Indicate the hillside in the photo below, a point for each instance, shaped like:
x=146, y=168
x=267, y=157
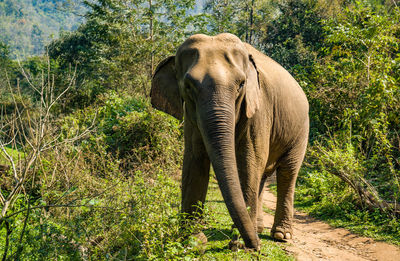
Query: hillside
x=28, y=25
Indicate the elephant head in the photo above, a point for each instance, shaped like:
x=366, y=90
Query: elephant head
x=213, y=83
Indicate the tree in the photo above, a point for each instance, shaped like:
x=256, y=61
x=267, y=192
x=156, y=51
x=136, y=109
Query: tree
x=122, y=41
x=27, y=25
x=37, y=39
x=4, y=54
x=295, y=35
x=354, y=89
x=246, y=19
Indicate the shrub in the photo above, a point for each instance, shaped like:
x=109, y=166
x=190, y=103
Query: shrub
x=131, y=130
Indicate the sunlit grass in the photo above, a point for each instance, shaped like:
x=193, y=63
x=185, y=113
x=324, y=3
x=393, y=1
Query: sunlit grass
x=339, y=208
x=15, y=154
x=219, y=233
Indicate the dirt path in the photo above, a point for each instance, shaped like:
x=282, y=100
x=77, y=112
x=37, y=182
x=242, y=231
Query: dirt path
x=315, y=240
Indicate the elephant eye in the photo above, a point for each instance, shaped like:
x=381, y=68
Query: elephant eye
x=241, y=85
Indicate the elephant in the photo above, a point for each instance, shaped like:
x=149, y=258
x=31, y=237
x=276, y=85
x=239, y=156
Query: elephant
x=244, y=114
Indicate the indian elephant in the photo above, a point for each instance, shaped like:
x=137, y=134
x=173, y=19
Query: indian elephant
x=246, y=115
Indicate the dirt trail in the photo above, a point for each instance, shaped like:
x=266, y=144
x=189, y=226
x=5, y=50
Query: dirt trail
x=315, y=240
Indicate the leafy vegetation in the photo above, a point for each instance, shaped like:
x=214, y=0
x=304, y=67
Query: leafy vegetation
x=13, y=153
x=96, y=169
x=26, y=26
x=360, y=58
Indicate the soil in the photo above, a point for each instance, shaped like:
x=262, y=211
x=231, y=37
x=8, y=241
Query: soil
x=316, y=240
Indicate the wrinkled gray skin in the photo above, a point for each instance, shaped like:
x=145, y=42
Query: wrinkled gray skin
x=243, y=113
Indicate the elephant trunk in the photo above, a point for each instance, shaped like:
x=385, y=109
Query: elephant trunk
x=217, y=128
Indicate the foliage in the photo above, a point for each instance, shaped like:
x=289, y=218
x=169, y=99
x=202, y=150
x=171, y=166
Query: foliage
x=246, y=19
x=327, y=197
x=131, y=130
x=354, y=90
x=4, y=53
x=295, y=35
x=93, y=196
x=27, y=25
x=13, y=153
x=113, y=193
x=121, y=42
x=101, y=209
x=29, y=133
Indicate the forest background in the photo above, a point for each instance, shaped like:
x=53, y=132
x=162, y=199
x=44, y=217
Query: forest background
x=90, y=171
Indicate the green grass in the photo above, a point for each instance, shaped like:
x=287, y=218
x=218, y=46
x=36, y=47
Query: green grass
x=13, y=153
x=328, y=199
x=124, y=207
x=219, y=234
x=346, y=215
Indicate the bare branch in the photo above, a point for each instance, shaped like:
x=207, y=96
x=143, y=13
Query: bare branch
x=10, y=160
x=2, y=199
x=32, y=134
x=27, y=77
x=72, y=81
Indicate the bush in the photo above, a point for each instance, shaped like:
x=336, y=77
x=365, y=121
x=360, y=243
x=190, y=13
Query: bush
x=333, y=185
x=131, y=130
x=109, y=193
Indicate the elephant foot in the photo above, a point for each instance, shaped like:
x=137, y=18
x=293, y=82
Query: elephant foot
x=282, y=234
x=235, y=244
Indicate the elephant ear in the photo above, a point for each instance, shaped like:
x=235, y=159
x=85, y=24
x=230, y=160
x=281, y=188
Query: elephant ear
x=164, y=89
x=252, y=89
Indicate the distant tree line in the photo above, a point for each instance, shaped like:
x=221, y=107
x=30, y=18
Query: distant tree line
x=27, y=26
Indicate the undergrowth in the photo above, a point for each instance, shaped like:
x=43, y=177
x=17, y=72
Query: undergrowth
x=326, y=196
x=115, y=194
x=218, y=229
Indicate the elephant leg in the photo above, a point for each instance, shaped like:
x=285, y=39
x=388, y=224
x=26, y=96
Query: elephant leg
x=249, y=182
x=195, y=172
x=252, y=155
x=251, y=193
x=250, y=177
x=286, y=176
